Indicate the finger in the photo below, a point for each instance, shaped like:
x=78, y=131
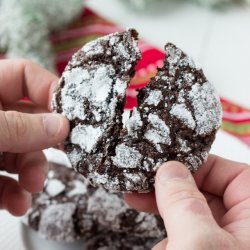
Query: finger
x=216, y=174
x=217, y=207
x=9, y=163
x=142, y=202
x=21, y=78
x=181, y=204
x=20, y=132
x=25, y=107
x=238, y=190
x=32, y=169
x=162, y=245
x=13, y=197
x=147, y=203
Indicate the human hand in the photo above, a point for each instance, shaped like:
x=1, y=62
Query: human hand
x=25, y=129
x=216, y=217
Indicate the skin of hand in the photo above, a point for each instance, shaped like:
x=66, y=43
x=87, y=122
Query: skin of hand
x=207, y=210
x=25, y=129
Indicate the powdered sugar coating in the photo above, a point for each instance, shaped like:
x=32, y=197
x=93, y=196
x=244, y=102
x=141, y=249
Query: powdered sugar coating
x=56, y=217
x=93, y=85
x=203, y=99
x=134, y=122
x=107, y=207
x=126, y=157
x=79, y=188
x=159, y=134
x=181, y=112
x=93, y=48
x=155, y=96
x=183, y=145
x=54, y=187
x=86, y=136
x=133, y=178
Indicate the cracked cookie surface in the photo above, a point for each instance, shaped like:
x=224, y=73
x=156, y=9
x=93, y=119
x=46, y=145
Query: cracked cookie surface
x=177, y=116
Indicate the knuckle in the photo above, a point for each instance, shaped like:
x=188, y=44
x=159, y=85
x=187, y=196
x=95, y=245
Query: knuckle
x=15, y=126
x=4, y=133
x=189, y=195
x=190, y=200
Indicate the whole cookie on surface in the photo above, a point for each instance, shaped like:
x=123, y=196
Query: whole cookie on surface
x=177, y=116
x=70, y=209
x=111, y=212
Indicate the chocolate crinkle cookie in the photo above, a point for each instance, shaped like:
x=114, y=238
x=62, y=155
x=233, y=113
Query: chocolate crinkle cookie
x=69, y=209
x=110, y=211
x=177, y=116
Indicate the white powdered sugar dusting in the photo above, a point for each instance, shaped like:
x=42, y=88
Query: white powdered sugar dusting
x=122, y=50
x=93, y=85
x=187, y=61
x=189, y=78
x=207, y=108
x=71, y=96
x=54, y=187
x=175, y=61
x=160, y=134
x=126, y=157
x=57, y=220
x=125, y=117
x=79, y=188
x=74, y=157
x=132, y=179
x=120, y=87
x=193, y=162
x=86, y=136
x=101, y=179
x=93, y=48
x=106, y=206
x=181, y=112
x=51, y=174
x=148, y=222
x=105, y=180
x=113, y=40
x=183, y=145
x=173, y=54
x=154, y=97
x=134, y=122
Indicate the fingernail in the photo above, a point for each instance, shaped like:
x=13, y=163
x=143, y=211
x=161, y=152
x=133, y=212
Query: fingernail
x=172, y=170
x=52, y=124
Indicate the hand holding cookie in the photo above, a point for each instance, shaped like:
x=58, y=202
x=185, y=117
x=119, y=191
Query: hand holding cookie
x=209, y=210
x=23, y=133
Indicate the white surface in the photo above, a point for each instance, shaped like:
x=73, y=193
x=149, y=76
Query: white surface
x=218, y=41
x=231, y=148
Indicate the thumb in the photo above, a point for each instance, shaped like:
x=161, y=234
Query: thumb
x=21, y=132
x=182, y=206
